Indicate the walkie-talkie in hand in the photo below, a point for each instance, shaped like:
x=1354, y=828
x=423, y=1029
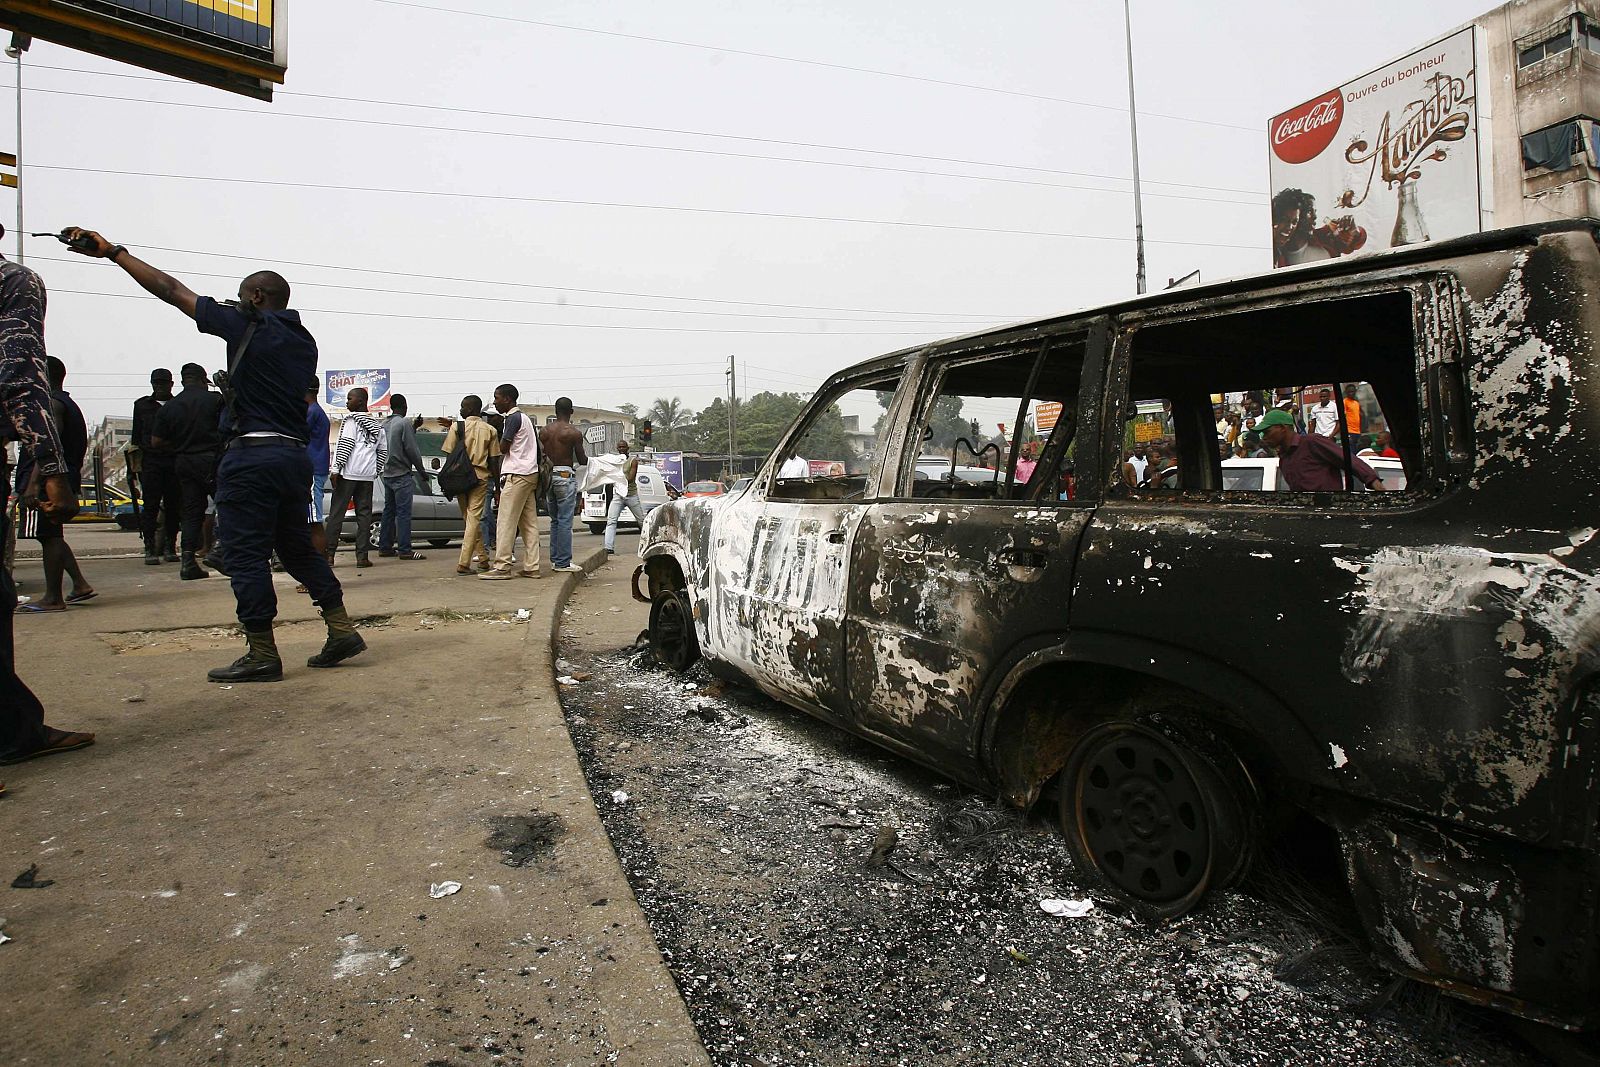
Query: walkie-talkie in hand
x=82, y=243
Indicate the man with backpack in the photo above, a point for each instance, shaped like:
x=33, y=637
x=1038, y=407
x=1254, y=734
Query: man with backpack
x=519, y=501
x=471, y=447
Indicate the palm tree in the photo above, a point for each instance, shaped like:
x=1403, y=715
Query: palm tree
x=669, y=416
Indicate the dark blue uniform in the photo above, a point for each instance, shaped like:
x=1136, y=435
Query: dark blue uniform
x=263, y=482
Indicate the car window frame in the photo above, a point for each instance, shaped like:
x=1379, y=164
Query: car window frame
x=1094, y=332
x=905, y=372
x=1435, y=316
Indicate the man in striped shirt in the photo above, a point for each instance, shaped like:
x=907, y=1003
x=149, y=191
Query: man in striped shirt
x=359, y=457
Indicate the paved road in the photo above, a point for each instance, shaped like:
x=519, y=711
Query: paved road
x=243, y=875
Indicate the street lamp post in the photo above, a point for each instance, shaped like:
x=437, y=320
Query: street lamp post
x=19, y=44
x=1133, y=130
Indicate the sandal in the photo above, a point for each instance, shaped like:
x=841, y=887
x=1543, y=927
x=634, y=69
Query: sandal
x=37, y=609
x=79, y=598
x=55, y=741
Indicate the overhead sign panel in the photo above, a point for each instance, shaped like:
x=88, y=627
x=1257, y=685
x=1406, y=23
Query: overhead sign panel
x=1389, y=159
x=338, y=383
x=238, y=45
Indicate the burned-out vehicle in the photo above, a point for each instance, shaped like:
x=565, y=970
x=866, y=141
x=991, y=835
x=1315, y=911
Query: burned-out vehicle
x=1184, y=666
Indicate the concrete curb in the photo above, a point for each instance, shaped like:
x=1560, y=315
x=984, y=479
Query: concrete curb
x=649, y=1011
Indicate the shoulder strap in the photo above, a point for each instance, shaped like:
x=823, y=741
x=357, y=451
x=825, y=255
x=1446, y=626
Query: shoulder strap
x=234, y=359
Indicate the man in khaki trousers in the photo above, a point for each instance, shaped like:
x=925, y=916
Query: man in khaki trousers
x=519, y=504
x=483, y=451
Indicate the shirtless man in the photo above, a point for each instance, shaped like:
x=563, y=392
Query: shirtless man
x=563, y=443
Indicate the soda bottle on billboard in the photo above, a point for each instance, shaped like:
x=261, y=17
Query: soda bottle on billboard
x=1409, y=229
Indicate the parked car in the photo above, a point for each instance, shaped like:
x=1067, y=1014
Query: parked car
x=694, y=489
x=435, y=519
x=1249, y=474
x=741, y=485
x=653, y=492
x=1409, y=678
x=89, y=503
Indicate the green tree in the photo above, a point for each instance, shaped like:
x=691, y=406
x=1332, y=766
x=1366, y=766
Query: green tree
x=630, y=410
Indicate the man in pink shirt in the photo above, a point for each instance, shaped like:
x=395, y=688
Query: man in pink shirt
x=519, y=478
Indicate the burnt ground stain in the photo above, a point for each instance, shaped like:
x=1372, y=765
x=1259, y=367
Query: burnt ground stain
x=524, y=838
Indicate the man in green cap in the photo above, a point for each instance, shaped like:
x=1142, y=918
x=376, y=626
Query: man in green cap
x=1311, y=464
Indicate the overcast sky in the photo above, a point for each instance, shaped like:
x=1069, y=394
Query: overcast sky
x=950, y=207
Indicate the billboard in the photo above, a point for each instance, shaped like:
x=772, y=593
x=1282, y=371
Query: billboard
x=337, y=383
x=1389, y=159
x=238, y=45
x=670, y=464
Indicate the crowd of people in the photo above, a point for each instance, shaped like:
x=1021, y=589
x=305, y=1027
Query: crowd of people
x=234, y=467
x=1305, y=438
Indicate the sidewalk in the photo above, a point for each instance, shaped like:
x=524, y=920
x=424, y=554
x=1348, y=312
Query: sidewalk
x=242, y=875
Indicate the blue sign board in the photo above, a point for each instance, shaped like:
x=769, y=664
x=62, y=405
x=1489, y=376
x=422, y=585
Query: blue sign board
x=338, y=383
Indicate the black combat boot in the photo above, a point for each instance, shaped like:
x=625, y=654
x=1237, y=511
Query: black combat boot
x=343, y=641
x=260, y=663
x=152, y=558
x=191, y=569
x=170, y=555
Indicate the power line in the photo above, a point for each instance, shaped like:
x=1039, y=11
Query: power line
x=840, y=164
x=509, y=198
x=83, y=261
x=175, y=83
x=558, y=325
x=809, y=63
x=563, y=288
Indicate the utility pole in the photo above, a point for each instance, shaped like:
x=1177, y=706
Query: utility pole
x=1133, y=130
x=733, y=398
x=19, y=44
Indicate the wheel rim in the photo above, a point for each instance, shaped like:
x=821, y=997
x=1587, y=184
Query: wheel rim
x=671, y=635
x=1142, y=816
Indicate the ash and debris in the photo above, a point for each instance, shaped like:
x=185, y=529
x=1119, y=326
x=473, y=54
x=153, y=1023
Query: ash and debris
x=821, y=901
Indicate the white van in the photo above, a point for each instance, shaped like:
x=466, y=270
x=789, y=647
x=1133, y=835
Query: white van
x=652, y=485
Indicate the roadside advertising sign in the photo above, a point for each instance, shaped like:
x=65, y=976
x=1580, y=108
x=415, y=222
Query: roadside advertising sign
x=670, y=464
x=338, y=384
x=1046, y=413
x=1389, y=159
x=237, y=45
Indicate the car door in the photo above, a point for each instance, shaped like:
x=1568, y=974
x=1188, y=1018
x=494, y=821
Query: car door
x=781, y=548
x=950, y=574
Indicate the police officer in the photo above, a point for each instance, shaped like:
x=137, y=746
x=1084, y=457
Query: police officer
x=264, y=477
x=158, y=475
x=190, y=428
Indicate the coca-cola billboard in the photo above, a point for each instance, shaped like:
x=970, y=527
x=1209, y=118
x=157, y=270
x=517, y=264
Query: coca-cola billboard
x=1386, y=160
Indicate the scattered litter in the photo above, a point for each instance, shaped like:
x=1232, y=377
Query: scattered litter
x=619, y=797
x=29, y=879
x=3, y=937
x=1018, y=955
x=1067, y=909
x=581, y=676
x=166, y=894
x=616, y=609
x=224, y=687
x=524, y=613
x=444, y=889
x=135, y=699
x=888, y=837
x=602, y=902
x=567, y=679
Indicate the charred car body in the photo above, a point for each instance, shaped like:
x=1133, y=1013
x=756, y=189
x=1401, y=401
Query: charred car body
x=1415, y=669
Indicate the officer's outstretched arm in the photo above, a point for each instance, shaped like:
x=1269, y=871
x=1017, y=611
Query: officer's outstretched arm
x=154, y=281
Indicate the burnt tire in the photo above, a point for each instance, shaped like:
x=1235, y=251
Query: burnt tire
x=596, y=527
x=672, y=637
x=1156, y=816
x=438, y=542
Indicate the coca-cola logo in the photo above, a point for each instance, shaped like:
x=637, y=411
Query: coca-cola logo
x=1303, y=133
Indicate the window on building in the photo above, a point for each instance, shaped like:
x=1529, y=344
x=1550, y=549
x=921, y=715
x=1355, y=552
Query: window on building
x=1550, y=46
x=1558, y=147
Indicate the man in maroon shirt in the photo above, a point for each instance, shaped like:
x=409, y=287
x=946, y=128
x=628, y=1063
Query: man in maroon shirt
x=1308, y=463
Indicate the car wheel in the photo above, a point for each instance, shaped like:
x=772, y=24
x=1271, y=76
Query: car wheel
x=372, y=538
x=438, y=542
x=672, y=637
x=597, y=527
x=1154, y=818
